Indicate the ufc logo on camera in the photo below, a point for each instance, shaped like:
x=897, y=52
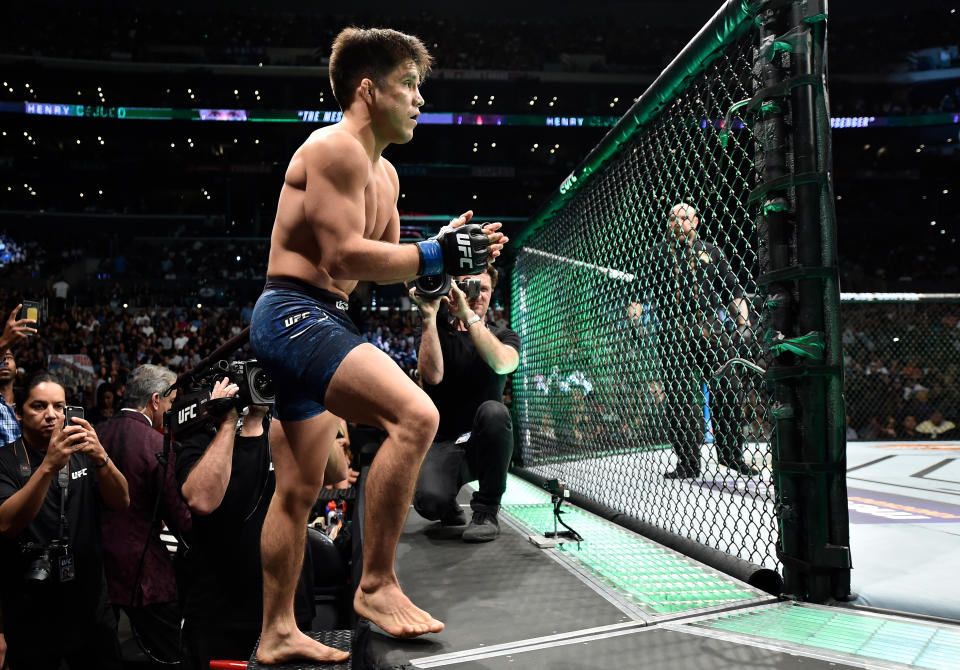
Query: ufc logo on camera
x=187, y=413
x=466, y=253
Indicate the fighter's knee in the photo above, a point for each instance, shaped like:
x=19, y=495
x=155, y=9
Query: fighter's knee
x=298, y=495
x=420, y=421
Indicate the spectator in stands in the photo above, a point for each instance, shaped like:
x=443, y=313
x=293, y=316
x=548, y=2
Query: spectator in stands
x=52, y=482
x=937, y=427
x=464, y=364
x=60, y=290
x=908, y=429
x=227, y=479
x=888, y=431
x=106, y=403
x=15, y=331
x=9, y=426
x=919, y=403
x=140, y=576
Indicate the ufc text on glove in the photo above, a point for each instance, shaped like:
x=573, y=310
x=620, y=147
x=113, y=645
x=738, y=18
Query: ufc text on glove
x=456, y=251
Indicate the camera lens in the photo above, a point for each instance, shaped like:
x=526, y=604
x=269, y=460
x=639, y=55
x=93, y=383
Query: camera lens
x=38, y=569
x=261, y=384
x=433, y=286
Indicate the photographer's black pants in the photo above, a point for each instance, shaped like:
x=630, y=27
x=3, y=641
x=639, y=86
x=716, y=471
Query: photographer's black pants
x=485, y=457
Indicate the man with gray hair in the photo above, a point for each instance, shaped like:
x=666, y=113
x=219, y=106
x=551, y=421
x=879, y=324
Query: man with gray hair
x=140, y=576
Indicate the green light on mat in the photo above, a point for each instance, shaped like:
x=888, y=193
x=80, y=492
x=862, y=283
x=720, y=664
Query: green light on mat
x=654, y=578
x=919, y=644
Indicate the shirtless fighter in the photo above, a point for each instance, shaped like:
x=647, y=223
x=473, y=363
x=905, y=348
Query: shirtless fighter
x=337, y=223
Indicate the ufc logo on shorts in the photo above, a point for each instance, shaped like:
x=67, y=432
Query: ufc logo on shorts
x=466, y=253
x=295, y=319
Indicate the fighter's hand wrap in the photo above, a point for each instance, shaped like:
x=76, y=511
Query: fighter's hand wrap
x=456, y=251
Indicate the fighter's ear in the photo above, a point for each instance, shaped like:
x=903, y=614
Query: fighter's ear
x=366, y=88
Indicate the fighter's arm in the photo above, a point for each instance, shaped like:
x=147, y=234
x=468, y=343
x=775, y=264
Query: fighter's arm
x=338, y=172
x=391, y=233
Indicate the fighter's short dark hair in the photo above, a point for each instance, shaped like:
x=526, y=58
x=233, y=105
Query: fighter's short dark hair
x=373, y=53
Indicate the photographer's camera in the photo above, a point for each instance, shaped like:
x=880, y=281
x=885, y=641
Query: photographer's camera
x=435, y=286
x=50, y=562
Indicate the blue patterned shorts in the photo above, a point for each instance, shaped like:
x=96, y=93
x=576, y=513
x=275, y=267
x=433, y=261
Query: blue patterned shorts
x=300, y=335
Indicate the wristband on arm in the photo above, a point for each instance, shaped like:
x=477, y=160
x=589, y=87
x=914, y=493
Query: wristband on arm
x=431, y=258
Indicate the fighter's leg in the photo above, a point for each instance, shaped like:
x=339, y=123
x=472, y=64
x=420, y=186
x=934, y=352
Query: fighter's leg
x=300, y=450
x=370, y=388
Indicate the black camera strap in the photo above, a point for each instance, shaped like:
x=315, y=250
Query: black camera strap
x=63, y=481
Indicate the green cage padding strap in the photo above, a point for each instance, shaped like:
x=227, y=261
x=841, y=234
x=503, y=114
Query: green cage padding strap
x=787, y=181
x=759, y=100
x=811, y=345
x=781, y=89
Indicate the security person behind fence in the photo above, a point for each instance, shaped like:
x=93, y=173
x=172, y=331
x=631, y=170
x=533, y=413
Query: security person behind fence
x=52, y=587
x=704, y=313
x=227, y=480
x=464, y=364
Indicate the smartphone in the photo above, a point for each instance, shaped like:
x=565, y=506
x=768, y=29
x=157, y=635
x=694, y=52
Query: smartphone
x=69, y=412
x=30, y=310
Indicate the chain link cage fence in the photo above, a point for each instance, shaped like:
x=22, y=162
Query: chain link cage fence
x=902, y=362
x=631, y=302
x=638, y=297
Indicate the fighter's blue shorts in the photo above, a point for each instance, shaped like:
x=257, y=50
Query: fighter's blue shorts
x=300, y=334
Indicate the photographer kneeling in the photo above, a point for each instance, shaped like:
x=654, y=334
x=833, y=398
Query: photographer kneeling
x=464, y=366
x=52, y=587
x=227, y=479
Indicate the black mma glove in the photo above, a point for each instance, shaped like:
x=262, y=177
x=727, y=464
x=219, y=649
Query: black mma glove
x=456, y=251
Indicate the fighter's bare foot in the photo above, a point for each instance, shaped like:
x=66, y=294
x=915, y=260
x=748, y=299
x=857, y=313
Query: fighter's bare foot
x=295, y=647
x=390, y=609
